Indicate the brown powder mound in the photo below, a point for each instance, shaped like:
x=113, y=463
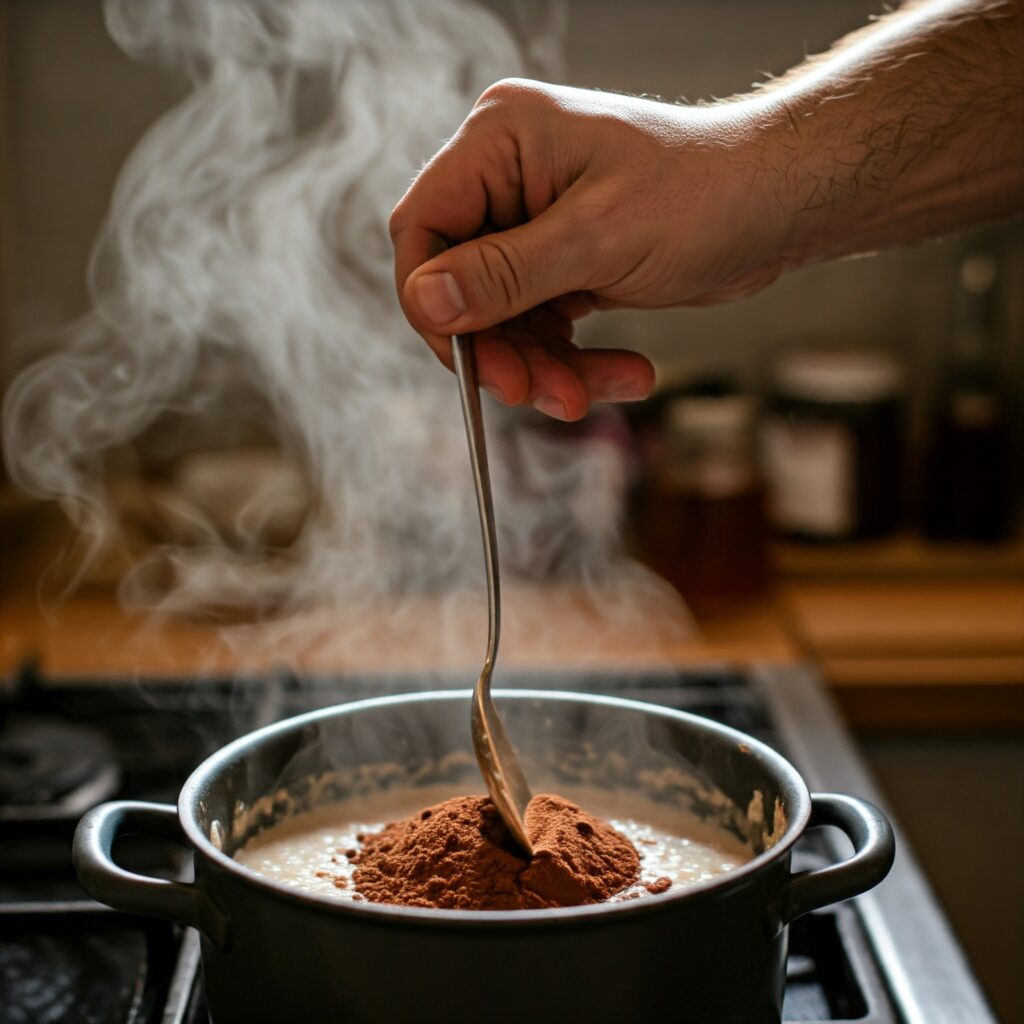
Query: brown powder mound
x=458, y=855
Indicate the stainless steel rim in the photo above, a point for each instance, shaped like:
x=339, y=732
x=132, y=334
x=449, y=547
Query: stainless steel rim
x=791, y=783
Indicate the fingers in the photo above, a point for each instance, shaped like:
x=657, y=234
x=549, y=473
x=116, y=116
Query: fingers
x=515, y=361
x=555, y=388
x=613, y=375
x=606, y=375
x=502, y=367
x=516, y=290
x=491, y=279
x=448, y=200
x=573, y=306
x=533, y=361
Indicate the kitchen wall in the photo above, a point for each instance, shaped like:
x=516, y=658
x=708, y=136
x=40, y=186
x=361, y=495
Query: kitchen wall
x=77, y=105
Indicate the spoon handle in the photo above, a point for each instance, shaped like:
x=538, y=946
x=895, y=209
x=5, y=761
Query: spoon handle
x=499, y=764
x=469, y=393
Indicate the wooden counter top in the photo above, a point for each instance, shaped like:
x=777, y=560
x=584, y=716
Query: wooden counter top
x=91, y=636
x=909, y=652
x=915, y=653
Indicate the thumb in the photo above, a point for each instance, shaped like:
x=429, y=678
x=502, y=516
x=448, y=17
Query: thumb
x=487, y=280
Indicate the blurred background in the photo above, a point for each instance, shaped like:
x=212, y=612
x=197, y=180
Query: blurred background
x=830, y=471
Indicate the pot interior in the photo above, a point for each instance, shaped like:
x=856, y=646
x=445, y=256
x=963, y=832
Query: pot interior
x=566, y=742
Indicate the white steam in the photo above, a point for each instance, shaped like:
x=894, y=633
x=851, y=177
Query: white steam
x=244, y=272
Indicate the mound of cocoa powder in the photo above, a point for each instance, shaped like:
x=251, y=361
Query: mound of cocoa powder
x=458, y=855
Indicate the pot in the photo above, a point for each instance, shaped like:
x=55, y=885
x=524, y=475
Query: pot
x=714, y=952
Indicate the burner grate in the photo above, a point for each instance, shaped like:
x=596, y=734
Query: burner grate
x=87, y=965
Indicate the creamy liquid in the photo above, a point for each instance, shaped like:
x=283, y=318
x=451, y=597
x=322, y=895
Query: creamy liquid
x=308, y=850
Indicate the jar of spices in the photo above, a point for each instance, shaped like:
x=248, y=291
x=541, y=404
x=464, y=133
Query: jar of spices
x=832, y=444
x=706, y=529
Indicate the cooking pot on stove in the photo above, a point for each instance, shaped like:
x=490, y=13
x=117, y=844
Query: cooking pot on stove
x=714, y=952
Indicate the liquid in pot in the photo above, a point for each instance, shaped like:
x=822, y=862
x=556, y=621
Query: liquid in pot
x=313, y=851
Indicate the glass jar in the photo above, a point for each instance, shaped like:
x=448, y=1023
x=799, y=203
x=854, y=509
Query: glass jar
x=706, y=530
x=832, y=444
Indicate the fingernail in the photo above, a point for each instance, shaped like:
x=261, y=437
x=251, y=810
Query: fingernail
x=493, y=389
x=550, y=407
x=624, y=391
x=439, y=297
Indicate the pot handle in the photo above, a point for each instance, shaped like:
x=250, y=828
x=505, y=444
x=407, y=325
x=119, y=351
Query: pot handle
x=124, y=890
x=874, y=850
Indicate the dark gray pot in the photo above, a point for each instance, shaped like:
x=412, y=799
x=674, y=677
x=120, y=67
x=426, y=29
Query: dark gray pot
x=712, y=953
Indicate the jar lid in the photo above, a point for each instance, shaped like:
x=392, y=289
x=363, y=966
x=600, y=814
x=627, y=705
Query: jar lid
x=838, y=375
x=726, y=415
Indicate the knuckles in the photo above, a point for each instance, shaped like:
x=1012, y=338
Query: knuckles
x=512, y=94
x=403, y=213
x=500, y=271
x=396, y=222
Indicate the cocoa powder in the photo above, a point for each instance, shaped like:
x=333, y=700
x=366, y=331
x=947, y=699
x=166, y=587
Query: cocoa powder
x=458, y=855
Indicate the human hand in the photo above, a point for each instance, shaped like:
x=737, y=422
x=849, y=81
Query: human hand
x=558, y=201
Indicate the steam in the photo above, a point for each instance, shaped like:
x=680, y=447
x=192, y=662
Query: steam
x=244, y=275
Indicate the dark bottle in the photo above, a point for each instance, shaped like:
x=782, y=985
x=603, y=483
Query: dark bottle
x=968, y=492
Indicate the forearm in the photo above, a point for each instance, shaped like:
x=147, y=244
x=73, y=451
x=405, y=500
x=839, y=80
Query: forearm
x=907, y=129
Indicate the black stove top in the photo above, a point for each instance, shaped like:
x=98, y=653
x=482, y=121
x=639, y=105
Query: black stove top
x=65, y=746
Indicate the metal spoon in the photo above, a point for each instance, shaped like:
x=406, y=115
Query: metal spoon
x=498, y=762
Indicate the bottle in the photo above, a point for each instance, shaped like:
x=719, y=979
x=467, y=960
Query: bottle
x=968, y=493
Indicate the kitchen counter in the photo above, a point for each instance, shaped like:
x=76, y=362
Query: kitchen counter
x=900, y=646
x=90, y=635
x=915, y=652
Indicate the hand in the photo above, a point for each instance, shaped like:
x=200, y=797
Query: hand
x=558, y=201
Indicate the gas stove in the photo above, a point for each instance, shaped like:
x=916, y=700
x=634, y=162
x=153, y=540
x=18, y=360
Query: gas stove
x=65, y=745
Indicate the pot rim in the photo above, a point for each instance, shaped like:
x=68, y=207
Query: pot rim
x=792, y=785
